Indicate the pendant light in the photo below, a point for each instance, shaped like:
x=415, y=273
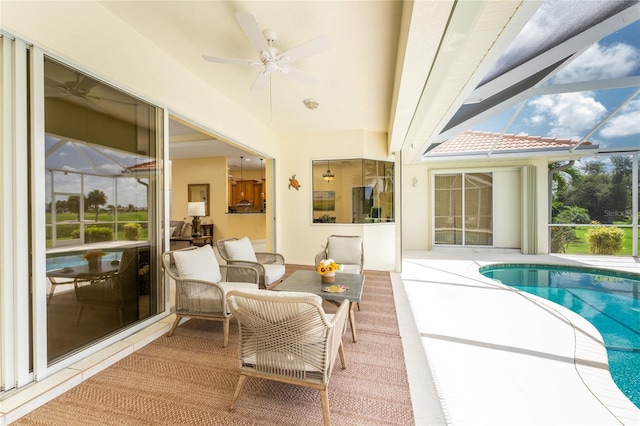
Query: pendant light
x=244, y=202
x=328, y=176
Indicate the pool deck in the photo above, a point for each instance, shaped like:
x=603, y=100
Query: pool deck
x=496, y=356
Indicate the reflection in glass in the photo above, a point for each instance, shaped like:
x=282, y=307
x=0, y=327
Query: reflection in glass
x=361, y=191
x=102, y=192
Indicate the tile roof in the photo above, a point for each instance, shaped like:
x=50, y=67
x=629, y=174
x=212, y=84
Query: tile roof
x=475, y=142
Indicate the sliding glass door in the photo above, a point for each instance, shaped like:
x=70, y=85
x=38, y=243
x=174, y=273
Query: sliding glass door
x=102, y=190
x=463, y=209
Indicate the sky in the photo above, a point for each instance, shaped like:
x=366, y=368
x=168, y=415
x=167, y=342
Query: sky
x=72, y=160
x=575, y=115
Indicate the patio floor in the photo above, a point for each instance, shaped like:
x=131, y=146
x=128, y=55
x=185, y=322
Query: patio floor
x=496, y=356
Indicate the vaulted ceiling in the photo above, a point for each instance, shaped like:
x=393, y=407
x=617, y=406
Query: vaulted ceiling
x=410, y=69
x=393, y=66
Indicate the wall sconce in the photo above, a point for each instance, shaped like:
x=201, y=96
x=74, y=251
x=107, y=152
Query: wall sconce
x=328, y=176
x=311, y=103
x=195, y=209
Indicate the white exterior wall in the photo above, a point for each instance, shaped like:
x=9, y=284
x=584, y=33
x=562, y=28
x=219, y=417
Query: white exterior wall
x=299, y=238
x=417, y=211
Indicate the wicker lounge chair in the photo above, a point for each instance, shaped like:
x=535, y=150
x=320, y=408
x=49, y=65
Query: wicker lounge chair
x=287, y=337
x=202, y=285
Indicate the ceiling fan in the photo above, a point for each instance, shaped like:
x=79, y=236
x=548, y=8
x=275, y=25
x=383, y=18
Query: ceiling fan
x=271, y=59
x=80, y=88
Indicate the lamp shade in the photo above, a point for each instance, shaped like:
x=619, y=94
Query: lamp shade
x=195, y=209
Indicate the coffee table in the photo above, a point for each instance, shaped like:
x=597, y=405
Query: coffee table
x=310, y=282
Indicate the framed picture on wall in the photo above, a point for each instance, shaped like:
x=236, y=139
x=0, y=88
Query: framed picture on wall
x=324, y=200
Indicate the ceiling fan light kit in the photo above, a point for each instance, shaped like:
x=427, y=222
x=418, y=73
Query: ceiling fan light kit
x=311, y=103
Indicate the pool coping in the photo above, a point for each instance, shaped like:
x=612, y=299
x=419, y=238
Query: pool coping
x=590, y=351
x=586, y=351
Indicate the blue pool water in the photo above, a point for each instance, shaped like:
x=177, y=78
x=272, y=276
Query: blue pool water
x=70, y=260
x=609, y=300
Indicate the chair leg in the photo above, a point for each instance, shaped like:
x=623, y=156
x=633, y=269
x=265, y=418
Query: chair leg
x=324, y=397
x=341, y=353
x=225, y=332
x=175, y=324
x=79, y=314
x=236, y=394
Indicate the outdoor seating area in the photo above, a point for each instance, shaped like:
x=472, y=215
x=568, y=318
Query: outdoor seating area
x=373, y=389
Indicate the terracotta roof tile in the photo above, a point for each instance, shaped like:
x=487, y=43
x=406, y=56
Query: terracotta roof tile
x=474, y=142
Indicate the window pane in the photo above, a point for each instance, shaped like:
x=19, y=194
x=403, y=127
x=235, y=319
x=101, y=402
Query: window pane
x=478, y=207
x=102, y=152
x=353, y=191
x=448, y=209
x=475, y=227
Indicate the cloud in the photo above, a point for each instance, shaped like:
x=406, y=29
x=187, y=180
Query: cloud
x=600, y=63
x=625, y=123
x=569, y=115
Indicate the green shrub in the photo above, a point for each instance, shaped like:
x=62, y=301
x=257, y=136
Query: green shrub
x=97, y=233
x=573, y=214
x=131, y=231
x=605, y=240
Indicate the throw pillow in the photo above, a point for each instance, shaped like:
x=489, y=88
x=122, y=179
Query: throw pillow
x=345, y=250
x=198, y=264
x=241, y=250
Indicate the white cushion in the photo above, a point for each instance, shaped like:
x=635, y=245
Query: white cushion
x=198, y=264
x=241, y=250
x=273, y=272
x=172, y=230
x=345, y=250
x=350, y=269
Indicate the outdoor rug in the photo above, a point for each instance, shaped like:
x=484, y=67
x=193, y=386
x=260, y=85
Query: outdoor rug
x=189, y=379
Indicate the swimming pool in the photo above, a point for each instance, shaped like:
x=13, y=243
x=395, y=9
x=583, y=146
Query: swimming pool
x=69, y=260
x=608, y=299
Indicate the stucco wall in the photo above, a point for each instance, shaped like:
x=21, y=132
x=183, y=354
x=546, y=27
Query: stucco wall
x=417, y=198
x=299, y=238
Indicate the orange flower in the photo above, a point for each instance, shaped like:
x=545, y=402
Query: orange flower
x=328, y=265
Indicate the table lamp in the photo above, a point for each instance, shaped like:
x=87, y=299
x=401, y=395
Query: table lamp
x=196, y=209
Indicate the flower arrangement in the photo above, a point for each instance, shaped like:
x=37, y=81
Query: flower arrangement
x=92, y=255
x=327, y=266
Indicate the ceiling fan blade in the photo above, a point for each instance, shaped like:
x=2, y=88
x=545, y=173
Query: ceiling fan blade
x=306, y=49
x=301, y=76
x=252, y=30
x=261, y=80
x=85, y=85
x=98, y=98
x=230, y=60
